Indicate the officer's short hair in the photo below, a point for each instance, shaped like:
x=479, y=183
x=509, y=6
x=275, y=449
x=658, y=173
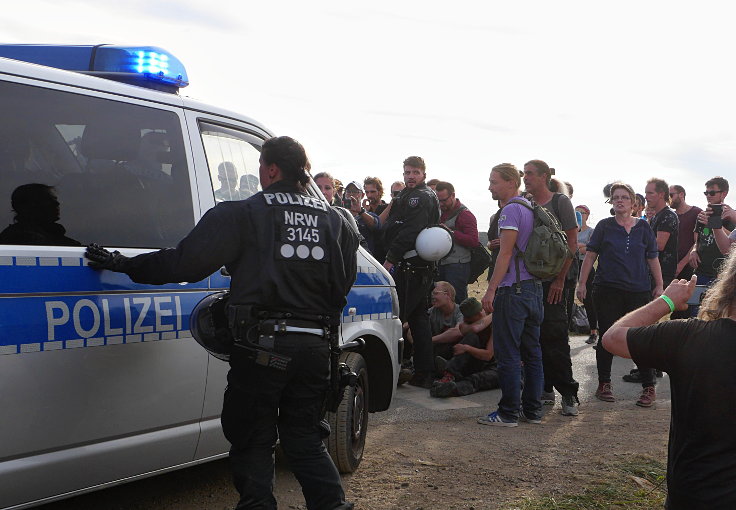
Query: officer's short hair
x=289, y=155
x=445, y=186
x=416, y=162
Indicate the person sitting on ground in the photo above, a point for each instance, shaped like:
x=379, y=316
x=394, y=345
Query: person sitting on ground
x=472, y=367
x=699, y=356
x=444, y=317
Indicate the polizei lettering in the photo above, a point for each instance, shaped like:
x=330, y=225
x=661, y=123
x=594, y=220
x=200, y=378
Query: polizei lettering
x=279, y=198
x=90, y=318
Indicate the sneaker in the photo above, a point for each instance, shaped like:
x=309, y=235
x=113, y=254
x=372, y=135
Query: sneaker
x=496, y=420
x=605, y=392
x=570, y=405
x=548, y=398
x=524, y=418
x=593, y=338
x=660, y=373
x=647, y=397
x=446, y=377
x=443, y=390
x=421, y=380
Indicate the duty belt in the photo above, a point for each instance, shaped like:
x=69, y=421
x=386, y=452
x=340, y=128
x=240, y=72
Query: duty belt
x=281, y=326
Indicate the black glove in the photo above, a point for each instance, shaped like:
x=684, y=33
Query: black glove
x=100, y=258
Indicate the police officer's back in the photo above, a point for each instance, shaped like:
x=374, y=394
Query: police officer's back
x=292, y=260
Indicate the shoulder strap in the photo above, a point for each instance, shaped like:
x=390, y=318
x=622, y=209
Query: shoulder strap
x=519, y=253
x=459, y=210
x=556, y=207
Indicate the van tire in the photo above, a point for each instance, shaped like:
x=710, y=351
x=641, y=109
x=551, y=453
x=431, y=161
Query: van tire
x=349, y=424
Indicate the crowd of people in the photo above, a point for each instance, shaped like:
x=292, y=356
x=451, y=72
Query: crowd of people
x=638, y=267
x=615, y=267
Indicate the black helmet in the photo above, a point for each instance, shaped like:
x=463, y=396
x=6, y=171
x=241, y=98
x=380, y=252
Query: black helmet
x=208, y=323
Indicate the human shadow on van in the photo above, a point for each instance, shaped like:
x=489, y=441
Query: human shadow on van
x=37, y=211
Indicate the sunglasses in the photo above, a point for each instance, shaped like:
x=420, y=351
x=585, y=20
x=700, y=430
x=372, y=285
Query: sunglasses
x=711, y=193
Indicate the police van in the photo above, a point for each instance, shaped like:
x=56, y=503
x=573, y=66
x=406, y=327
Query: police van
x=102, y=382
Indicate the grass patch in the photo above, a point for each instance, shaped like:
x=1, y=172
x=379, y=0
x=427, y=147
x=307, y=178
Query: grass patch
x=613, y=489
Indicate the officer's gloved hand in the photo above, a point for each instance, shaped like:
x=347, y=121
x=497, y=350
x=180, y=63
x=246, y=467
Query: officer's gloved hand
x=100, y=258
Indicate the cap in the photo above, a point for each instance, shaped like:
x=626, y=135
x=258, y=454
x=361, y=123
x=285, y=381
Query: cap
x=356, y=184
x=470, y=307
x=583, y=207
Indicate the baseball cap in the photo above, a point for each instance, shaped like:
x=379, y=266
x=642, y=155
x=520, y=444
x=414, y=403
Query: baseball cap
x=357, y=185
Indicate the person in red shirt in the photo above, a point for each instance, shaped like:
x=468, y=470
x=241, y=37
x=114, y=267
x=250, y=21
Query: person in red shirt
x=455, y=268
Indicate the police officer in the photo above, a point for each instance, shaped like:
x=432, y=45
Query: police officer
x=292, y=260
x=416, y=208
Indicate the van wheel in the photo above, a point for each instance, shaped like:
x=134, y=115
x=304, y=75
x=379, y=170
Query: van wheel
x=350, y=423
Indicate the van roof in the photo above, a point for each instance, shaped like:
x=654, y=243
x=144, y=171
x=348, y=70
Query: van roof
x=25, y=70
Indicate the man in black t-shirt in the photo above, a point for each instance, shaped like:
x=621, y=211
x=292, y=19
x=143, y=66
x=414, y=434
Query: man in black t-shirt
x=665, y=225
x=699, y=356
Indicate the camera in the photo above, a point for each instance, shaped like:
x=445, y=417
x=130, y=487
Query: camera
x=715, y=220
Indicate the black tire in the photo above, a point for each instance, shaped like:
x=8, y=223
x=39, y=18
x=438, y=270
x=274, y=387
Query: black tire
x=349, y=424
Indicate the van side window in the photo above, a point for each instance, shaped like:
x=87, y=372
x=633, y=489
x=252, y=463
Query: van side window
x=102, y=171
x=232, y=157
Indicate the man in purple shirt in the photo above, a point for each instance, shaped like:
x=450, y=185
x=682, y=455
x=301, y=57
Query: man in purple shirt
x=515, y=297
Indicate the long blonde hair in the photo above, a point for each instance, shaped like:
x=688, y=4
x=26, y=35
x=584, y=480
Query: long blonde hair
x=720, y=300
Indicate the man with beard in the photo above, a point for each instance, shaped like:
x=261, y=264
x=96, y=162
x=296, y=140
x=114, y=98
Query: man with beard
x=415, y=209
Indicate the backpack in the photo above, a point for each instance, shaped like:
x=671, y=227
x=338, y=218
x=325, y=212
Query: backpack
x=547, y=249
x=480, y=260
x=480, y=257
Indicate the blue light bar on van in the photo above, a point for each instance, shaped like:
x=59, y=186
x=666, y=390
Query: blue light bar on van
x=142, y=65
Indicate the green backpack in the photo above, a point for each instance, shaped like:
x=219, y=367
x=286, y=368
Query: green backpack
x=547, y=249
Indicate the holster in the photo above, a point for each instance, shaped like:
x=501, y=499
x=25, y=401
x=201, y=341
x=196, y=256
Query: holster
x=341, y=376
x=244, y=322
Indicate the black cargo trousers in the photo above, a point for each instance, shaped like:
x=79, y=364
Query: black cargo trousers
x=555, y=341
x=264, y=404
x=413, y=279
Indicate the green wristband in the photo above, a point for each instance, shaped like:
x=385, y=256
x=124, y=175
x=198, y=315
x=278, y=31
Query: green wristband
x=669, y=302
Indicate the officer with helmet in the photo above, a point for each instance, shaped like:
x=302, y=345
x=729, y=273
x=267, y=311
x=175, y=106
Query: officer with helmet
x=292, y=260
x=415, y=209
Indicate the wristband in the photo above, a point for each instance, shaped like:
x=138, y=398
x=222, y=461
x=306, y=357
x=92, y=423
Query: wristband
x=669, y=302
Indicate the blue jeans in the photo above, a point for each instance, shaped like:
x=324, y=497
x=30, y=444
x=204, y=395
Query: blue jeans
x=517, y=318
x=456, y=275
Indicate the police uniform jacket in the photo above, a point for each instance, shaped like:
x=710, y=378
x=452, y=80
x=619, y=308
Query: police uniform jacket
x=415, y=209
x=284, y=250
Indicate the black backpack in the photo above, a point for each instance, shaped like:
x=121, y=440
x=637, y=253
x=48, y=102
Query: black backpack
x=480, y=257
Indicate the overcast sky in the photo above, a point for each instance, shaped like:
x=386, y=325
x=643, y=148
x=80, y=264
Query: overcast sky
x=602, y=92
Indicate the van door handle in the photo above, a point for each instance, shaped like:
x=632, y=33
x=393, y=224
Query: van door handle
x=224, y=272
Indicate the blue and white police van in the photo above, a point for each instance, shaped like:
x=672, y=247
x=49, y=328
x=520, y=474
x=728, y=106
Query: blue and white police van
x=102, y=382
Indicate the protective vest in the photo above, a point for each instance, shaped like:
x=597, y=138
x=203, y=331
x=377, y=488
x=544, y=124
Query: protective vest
x=459, y=254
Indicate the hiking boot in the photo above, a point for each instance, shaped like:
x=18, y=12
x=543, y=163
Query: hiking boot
x=605, y=392
x=524, y=418
x=443, y=389
x=404, y=376
x=440, y=364
x=570, y=405
x=548, y=398
x=495, y=419
x=421, y=380
x=593, y=338
x=647, y=397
